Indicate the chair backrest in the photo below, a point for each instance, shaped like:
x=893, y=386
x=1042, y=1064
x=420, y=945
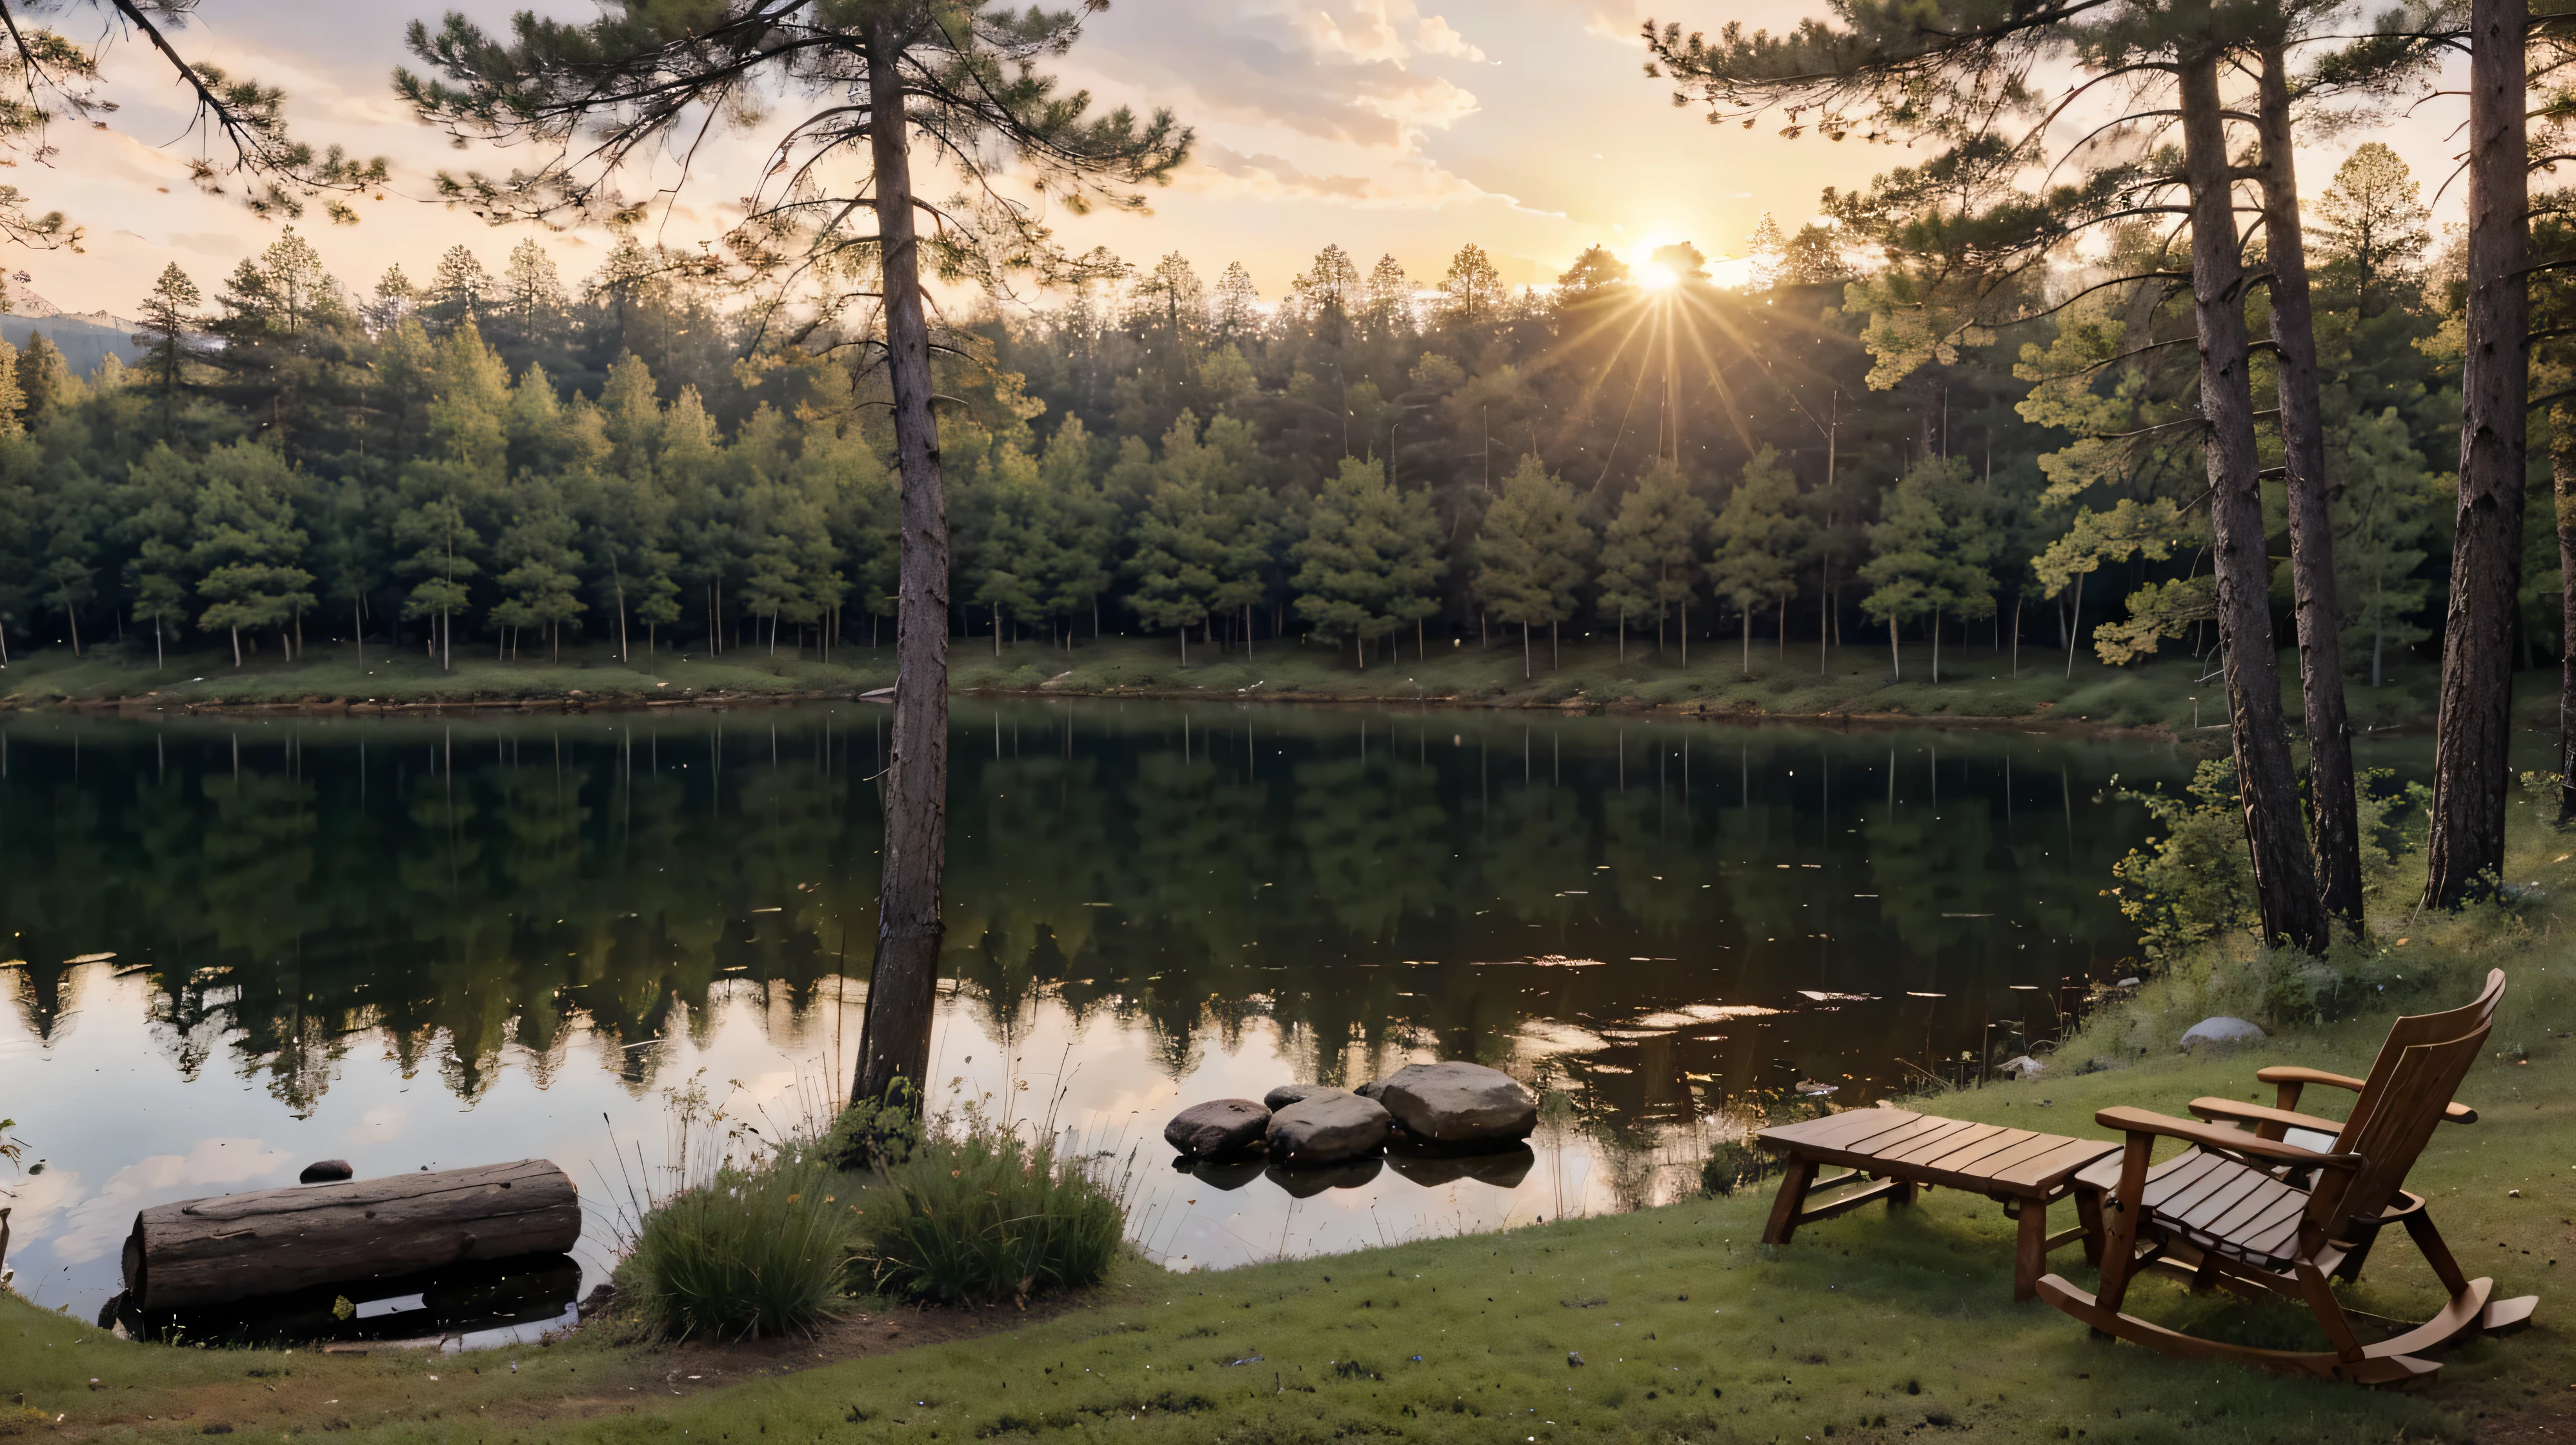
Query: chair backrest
x=2418, y=1069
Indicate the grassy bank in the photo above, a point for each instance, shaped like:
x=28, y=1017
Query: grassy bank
x=2168, y=693
x=1874, y=1326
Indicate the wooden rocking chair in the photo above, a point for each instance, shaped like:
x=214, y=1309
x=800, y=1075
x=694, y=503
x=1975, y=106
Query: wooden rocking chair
x=2245, y=1211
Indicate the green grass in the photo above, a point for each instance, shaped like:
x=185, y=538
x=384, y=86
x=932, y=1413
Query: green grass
x=973, y=1211
x=1977, y=682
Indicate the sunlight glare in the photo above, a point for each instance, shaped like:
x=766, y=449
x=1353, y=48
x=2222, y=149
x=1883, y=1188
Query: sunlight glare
x=1655, y=276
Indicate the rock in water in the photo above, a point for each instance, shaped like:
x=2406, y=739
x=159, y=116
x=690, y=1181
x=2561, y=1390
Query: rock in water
x=326, y=1171
x=1217, y=1129
x=1287, y=1094
x=1327, y=1127
x=1460, y=1104
x=1376, y=1090
x=2222, y=1030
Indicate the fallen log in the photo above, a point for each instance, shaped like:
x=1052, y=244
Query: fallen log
x=232, y=1246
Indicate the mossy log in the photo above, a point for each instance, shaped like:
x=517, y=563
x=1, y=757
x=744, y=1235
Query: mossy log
x=233, y=1246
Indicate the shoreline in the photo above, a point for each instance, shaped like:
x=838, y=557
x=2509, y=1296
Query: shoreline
x=2163, y=698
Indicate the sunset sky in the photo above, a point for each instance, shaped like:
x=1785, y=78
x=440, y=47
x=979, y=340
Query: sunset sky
x=1385, y=125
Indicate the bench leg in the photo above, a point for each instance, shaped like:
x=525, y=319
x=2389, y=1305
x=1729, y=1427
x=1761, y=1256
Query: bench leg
x=2088, y=1212
x=1906, y=1192
x=1794, y=1179
x=2030, y=1251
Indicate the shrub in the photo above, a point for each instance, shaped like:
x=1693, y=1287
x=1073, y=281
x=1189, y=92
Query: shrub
x=967, y=1211
x=745, y=1253
x=2194, y=884
x=1732, y=1164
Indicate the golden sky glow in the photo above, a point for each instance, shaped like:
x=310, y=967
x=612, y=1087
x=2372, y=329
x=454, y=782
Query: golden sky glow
x=1402, y=127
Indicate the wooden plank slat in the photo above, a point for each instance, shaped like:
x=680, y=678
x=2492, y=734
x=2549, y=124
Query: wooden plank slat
x=1969, y=1157
x=1921, y=1151
x=1865, y=1152
x=2053, y=1168
x=2212, y=1203
x=1835, y=1129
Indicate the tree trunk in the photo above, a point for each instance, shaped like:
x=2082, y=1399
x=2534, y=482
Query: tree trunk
x=1183, y=631
x=1936, y=647
x=2016, y=638
x=2334, y=820
x=894, y=1041
x=2562, y=476
x=270, y=1241
x=2075, y=625
x=1748, y=644
x=1685, y=631
x=236, y=647
x=1895, y=664
x=1525, y=652
x=2285, y=887
x=2466, y=845
x=73, y=618
x=1247, y=632
x=357, y=618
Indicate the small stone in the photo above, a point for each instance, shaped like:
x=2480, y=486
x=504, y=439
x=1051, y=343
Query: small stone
x=1287, y=1094
x=326, y=1171
x=1574, y=1359
x=1217, y=1129
x=2513, y=1194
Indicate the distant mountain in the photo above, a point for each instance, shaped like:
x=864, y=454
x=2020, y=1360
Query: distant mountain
x=85, y=338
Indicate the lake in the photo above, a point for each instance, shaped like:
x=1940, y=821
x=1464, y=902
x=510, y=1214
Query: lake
x=234, y=946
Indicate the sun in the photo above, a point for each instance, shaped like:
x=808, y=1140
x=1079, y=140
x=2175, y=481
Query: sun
x=1656, y=276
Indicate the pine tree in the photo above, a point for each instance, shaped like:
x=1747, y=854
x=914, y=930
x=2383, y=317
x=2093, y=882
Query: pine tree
x=1756, y=537
x=1530, y=554
x=158, y=507
x=247, y=544
x=458, y=293
x=1473, y=290
x=169, y=325
x=1369, y=560
x=2386, y=504
x=1650, y=552
x=1328, y=293
x=1235, y=311
x=1768, y=252
x=45, y=380
x=1929, y=553
x=2371, y=223
x=541, y=584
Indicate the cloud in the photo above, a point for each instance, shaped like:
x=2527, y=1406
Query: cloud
x=1272, y=175
x=1356, y=71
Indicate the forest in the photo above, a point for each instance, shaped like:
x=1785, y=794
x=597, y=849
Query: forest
x=1364, y=459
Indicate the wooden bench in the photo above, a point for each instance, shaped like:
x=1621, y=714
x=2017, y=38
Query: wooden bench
x=1905, y=1151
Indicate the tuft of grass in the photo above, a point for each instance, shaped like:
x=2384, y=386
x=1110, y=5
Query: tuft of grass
x=1732, y=1164
x=967, y=1210
x=749, y=1253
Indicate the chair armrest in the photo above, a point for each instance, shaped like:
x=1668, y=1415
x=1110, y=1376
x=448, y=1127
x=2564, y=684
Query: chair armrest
x=2229, y=1109
x=2291, y=1077
x=2137, y=1122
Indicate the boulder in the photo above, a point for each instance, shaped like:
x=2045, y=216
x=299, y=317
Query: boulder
x=1217, y=1129
x=1374, y=1089
x=326, y=1171
x=2222, y=1030
x=1327, y=1127
x=1457, y=1104
x=1287, y=1094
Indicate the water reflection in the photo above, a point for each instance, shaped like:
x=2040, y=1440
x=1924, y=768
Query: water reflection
x=1149, y=900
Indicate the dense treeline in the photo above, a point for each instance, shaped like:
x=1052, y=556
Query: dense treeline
x=1364, y=460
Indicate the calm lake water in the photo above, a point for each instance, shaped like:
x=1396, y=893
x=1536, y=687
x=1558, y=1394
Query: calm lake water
x=236, y=946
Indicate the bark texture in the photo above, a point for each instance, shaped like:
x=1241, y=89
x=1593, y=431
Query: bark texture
x=2466, y=847
x=2285, y=887
x=2334, y=823
x=903, y=987
x=269, y=1241
x=2562, y=477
